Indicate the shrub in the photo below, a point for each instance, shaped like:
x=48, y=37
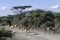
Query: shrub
x=4, y=34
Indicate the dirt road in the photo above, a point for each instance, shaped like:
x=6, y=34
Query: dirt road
x=33, y=35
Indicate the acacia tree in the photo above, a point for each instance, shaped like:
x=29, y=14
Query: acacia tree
x=20, y=14
x=19, y=10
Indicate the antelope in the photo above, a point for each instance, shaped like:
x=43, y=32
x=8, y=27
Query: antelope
x=48, y=29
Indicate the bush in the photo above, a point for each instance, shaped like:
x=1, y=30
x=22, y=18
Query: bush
x=4, y=34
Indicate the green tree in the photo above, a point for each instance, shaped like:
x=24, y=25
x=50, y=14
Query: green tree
x=48, y=19
x=19, y=10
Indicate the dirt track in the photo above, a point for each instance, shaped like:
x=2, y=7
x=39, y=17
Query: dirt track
x=34, y=35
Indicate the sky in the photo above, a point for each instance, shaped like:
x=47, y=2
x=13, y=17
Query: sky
x=6, y=5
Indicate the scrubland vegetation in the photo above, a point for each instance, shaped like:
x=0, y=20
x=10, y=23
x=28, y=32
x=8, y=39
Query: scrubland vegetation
x=31, y=19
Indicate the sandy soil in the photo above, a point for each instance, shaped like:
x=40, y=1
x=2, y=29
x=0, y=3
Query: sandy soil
x=33, y=35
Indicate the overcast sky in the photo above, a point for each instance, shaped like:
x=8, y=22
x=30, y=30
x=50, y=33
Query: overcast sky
x=6, y=5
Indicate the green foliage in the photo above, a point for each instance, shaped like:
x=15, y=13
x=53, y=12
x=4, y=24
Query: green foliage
x=38, y=18
x=4, y=34
x=35, y=18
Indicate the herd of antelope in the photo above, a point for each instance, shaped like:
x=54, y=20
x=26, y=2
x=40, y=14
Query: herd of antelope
x=27, y=28
x=23, y=29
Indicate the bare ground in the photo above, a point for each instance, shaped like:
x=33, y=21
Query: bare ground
x=33, y=35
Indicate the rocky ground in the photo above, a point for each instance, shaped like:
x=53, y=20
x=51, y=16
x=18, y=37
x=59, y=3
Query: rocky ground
x=33, y=35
